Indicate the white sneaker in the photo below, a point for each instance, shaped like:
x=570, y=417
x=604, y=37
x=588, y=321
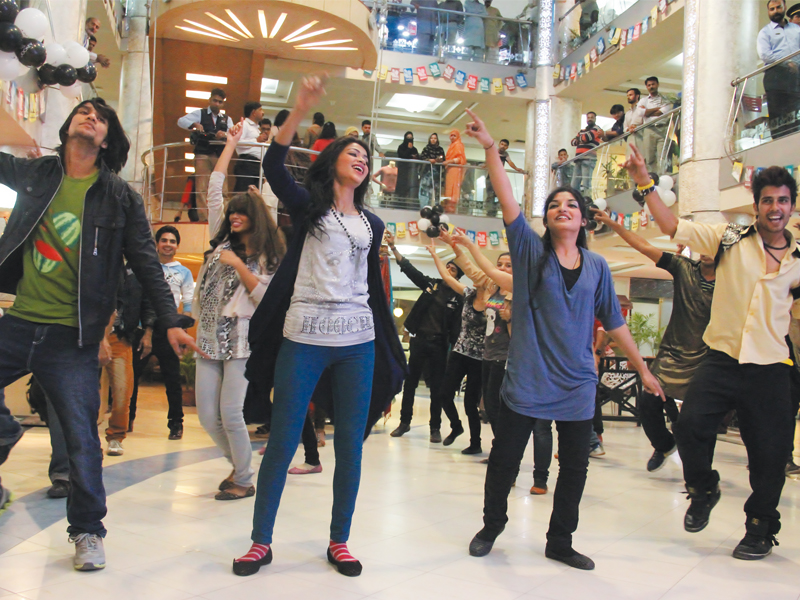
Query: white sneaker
x=89, y=552
x=597, y=450
x=115, y=448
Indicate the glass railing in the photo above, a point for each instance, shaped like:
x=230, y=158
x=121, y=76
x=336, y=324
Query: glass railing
x=175, y=183
x=455, y=30
x=765, y=105
x=584, y=19
x=600, y=174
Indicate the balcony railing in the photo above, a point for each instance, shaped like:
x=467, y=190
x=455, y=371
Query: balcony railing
x=170, y=186
x=584, y=19
x=600, y=174
x=765, y=105
x=453, y=34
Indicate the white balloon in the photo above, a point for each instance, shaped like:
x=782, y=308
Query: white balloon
x=667, y=197
x=423, y=224
x=665, y=182
x=9, y=66
x=72, y=91
x=77, y=55
x=444, y=219
x=32, y=23
x=56, y=54
x=23, y=70
x=601, y=203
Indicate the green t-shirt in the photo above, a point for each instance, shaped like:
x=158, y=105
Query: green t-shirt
x=48, y=290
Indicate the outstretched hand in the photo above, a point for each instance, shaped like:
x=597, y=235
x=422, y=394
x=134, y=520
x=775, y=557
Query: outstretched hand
x=477, y=129
x=180, y=340
x=432, y=249
x=234, y=134
x=601, y=216
x=636, y=166
x=312, y=89
x=651, y=384
x=461, y=238
x=445, y=236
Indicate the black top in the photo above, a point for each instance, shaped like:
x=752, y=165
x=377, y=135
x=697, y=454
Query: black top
x=571, y=275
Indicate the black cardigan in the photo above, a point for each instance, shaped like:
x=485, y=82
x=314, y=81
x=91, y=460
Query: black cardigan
x=266, y=325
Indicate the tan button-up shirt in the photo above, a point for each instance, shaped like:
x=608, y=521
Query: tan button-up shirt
x=750, y=311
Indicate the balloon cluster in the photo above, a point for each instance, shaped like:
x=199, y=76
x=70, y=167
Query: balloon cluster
x=433, y=218
x=21, y=50
x=664, y=185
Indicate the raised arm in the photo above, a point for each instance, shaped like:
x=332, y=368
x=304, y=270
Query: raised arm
x=634, y=240
x=504, y=280
x=637, y=169
x=216, y=182
x=502, y=186
x=453, y=283
x=232, y=137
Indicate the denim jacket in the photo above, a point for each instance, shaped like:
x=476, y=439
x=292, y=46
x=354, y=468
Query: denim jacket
x=114, y=224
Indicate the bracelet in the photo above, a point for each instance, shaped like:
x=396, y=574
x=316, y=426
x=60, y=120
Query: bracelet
x=648, y=190
x=649, y=184
x=489, y=147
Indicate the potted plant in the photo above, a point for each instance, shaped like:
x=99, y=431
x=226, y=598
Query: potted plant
x=644, y=332
x=188, y=372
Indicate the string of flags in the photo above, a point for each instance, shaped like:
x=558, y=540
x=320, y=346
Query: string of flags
x=633, y=221
x=618, y=38
x=482, y=238
x=451, y=74
x=751, y=172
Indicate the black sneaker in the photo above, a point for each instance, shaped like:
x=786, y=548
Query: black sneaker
x=479, y=546
x=401, y=429
x=176, y=432
x=59, y=489
x=658, y=460
x=472, y=450
x=755, y=547
x=699, y=510
x=457, y=431
x=571, y=558
x=436, y=436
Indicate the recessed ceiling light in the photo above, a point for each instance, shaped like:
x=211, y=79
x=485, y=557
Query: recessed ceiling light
x=328, y=43
x=414, y=103
x=262, y=21
x=188, y=169
x=238, y=22
x=191, y=109
x=278, y=24
x=312, y=34
x=201, y=32
x=211, y=29
x=206, y=78
x=324, y=48
x=290, y=37
x=198, y=94
x=269, y=86
x=226, y=24
x=188, y=156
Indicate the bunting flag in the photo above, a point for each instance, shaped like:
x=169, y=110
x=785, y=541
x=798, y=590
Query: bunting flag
x=413, y=229
x=494, y=238
x=481, y=239
x=461, y=77
x=435, y=70
x=408, y=75
x=401, y=230
x=422, y=73
x=471, y=235
x=392, y=227
x=472, y=82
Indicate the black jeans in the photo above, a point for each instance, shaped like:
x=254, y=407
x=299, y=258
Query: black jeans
x=492, y=374
x=761, y=396
x=309, y=438
x=458, y=367
x=247, y=171
x=512, y=432
x=170, y=366
x=651, y=412
x=428, y=357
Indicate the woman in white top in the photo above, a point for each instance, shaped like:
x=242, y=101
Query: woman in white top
x=246, y=249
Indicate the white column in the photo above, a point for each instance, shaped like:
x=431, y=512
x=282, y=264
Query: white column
x=710, y=26
x=135, y=100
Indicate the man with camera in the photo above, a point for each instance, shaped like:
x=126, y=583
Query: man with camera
x=206, y=125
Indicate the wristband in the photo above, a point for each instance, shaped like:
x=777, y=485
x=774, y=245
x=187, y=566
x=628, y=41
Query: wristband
x=489, y=147
x=647, y=185
x=648, y=190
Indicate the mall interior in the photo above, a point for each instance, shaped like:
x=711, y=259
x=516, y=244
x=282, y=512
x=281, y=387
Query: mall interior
x=533, y=70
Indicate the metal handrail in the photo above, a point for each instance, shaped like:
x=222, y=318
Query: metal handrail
x=760, y=70
x=411, y=9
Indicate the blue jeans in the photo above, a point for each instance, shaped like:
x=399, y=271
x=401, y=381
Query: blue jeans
x=69, y=375
x=10, y=430
x=297, y=370
x=582, y=175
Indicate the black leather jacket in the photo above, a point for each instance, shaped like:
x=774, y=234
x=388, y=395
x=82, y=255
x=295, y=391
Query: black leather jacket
x=451, y=319
x=113, y=225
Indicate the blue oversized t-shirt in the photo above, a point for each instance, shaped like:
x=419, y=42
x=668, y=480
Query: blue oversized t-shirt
x=550, y=372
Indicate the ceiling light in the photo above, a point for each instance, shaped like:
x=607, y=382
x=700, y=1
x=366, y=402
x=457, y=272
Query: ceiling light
x=312, y=34
x=460, y=40
x=198, y=94
x=400, y=28
x=213, y=35
x=405, y=34
x=323, y=48
x=290, y=37
x=238, y=22
x=188, y=156
x=414, y=103
x=269, y=86
x=278, y=24
x=398, y=312
x=262, y=21
x=407, y=250
x=191, y=109
x=212, y=30
x=188, y=169
x=226, y=24
x=206, y=78
x=328, y=43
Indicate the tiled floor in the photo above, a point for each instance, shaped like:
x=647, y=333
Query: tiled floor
x=418, y=508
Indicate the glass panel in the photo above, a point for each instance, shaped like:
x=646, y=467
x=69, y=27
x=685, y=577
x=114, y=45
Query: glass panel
x=586, y=18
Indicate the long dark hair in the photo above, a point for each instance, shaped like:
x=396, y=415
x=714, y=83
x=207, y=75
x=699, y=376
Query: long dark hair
x=328, y=131
x=268, y=241
x=115, y=154
x=319, y=182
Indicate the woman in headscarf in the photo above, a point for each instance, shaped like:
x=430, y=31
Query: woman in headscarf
x=430, y=182
x=407, y=173
x=454, y=175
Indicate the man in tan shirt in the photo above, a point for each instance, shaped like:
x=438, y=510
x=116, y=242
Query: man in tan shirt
x=747, y=366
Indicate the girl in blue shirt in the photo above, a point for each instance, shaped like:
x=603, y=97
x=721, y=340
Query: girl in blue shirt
x=559, y=287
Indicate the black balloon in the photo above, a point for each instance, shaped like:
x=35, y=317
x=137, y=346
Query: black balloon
x=434, y=219
x=8, y=11
x=66, y=75
x=47, y=74
x=426, y=212
x=31, y=53
x=432, y=231
x=637, y=195
x=10, y=37
x=88, y=73
x=438, y=209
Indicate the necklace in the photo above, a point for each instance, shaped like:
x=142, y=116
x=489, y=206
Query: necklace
x=364, y=220
x=767, y=249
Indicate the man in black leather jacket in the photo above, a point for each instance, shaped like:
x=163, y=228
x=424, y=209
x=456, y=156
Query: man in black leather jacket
x=435, y=322
x=62, y=255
